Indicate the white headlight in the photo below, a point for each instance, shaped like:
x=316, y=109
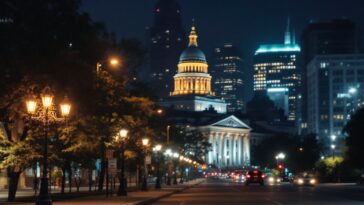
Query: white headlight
x=300, y=181
x=312, y=181
x=271, y=179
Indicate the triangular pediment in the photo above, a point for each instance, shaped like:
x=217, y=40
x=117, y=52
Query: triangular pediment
x=232, y=122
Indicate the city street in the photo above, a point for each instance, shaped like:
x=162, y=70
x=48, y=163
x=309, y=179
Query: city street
x=219, y=192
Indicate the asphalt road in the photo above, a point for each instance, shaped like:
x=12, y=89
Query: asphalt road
x=224, y=192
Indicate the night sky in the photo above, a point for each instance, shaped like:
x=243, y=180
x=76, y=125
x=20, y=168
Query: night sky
x=246, y=23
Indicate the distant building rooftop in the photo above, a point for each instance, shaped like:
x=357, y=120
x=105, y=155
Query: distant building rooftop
x=274, y=48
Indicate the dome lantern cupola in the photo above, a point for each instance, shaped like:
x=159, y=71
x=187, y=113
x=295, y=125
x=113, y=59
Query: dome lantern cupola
x=193, y=36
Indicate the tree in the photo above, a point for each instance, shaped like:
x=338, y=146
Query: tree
x=20, y=147
x=50, y=43
x=301, y=152
x=191, y=143
x=261, y=108
x=308, y=151
x=53, y=43
x=329, y=168
x=355, y=140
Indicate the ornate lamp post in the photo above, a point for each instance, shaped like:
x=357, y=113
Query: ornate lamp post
x=145, y=143
x=157, y=149
x=121, y=138
x=46, y=114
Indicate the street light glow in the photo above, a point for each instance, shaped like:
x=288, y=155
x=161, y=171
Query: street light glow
x=160, y=111
x=168, y=152
x=158, y=147
x=333, y=137
x=123, y=133
x=175, y=155
x=145, y=141
x=31, y=106
x=114, y=62
x=281, y=156
x=352, y=90
x=333, y=146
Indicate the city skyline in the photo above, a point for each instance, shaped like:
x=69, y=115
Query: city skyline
x=151, y=102
x=233, y=24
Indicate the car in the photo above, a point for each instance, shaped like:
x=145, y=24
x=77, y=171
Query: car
x=254, y=176
x=305, y=180
x=273, y=179
x=238, y=177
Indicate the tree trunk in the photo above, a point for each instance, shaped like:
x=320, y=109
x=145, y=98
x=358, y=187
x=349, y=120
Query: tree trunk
x=90, y=179
x=70, y=179
x=63, y=180
x=107, y=181
x=13, y=184
x=102, y=175
x=78, y=184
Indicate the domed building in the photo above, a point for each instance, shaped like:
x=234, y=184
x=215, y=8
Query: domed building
x=192, y=76
x=192, y=83
x=192, y=94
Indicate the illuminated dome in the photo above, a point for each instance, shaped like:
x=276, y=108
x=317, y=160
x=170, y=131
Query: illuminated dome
x=192, y=53
x=192, y=75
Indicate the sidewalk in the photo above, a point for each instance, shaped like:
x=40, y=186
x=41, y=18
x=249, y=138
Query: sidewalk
x=133, y=198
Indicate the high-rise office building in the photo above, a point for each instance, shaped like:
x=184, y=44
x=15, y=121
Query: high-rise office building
x=228, y=76
x=335, y=85
x=338, y=36
x=166, y=42
x=275, y=66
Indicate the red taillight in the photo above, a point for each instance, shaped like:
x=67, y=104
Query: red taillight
x=248, y=176
x=255, y=172
x=263, y=175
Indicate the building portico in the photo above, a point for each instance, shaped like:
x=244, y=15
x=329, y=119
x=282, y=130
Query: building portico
x=230, y=143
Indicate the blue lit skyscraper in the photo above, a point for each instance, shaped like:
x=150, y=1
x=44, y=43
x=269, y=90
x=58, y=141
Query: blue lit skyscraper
x=275, y=66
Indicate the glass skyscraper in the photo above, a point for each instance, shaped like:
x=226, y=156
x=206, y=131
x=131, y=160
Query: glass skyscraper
x=166, y=42
x=275, y=66
x=335, y=85
x=339, y=36
x=228, y=76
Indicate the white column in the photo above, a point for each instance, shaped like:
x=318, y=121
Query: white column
x=223, y=149
x=234, y=150
x=220, y=150
x=210, y=154
x=231, y=148
x=247, y=149
x=240, y=149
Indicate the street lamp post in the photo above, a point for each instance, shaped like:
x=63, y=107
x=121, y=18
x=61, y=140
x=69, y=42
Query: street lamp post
x=46, y=115
x=280, y=156
x=175, y=156
x=157, y=149
x=145, y=142
x=121, y=138
x=333, y=150
x=169, y=164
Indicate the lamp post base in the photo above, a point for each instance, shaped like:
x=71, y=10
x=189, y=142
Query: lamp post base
x=169, y=181
x=144, y=184
x=158, y=184
x=122, y=191
x=44, y=198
